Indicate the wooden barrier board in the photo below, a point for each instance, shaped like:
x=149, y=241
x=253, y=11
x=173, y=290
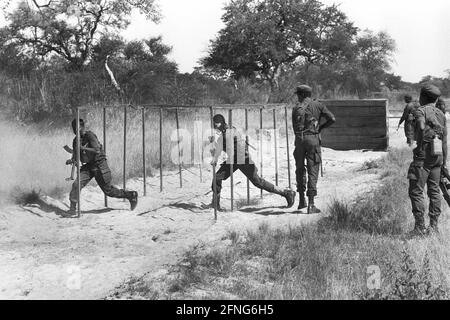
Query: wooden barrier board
x=360, y=124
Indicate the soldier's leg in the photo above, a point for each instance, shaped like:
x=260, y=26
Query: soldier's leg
x=300, y=172
x=222, y=174
x=85, y=176
x=435, y=197
x=418, y=177
x=409, y=133
x=313, y=159
x=251, y=172
x=103, y=178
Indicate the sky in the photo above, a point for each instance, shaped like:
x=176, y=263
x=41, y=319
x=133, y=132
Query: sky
x=421, y=30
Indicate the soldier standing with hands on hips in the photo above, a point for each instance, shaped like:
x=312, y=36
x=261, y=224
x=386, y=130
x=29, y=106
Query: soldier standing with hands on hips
x=306, y=117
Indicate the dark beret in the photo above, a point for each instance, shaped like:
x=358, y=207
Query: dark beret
x=303, y=89
x=430, y=91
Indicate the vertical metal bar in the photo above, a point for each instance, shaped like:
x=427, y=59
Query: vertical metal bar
x=124, y=146
x=144, y=168
x=230, y=122
x=246, y=148
x=104, y=144
x=211, y=111
x=160, y=151
x=78, y=162
x=261, y=143
x=179, y=150
x=276, y=144
x=201, y=155
x=287, y=146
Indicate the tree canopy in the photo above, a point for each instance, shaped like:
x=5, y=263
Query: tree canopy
x=264, y=39
x=69, y=29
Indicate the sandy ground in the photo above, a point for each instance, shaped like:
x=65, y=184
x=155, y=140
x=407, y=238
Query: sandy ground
x=43, y=256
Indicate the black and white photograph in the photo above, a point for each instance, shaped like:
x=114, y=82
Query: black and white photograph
x=240, y=153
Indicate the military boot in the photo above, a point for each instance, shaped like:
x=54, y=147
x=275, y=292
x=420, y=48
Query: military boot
x=419, y=229
x=312, y=209
x=290, y=197
x=72, y=210
x=132, y=196
x=302, y=202
x=433, y=228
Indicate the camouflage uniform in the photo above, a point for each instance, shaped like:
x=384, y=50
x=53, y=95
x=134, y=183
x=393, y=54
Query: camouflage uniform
x=306, y=118
x=429, y=157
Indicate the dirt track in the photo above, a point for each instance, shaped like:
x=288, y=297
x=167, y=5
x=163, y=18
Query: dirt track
x=43, y=256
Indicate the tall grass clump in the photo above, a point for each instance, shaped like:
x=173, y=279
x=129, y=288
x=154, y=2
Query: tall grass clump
x=384, y=210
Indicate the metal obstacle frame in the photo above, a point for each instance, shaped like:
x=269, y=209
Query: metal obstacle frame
x=211, y=108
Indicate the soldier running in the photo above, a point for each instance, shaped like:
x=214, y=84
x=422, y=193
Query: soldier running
x=429, y=157
x=408, y=118
x=240, y=161
x=306, y=117
x=95, y=166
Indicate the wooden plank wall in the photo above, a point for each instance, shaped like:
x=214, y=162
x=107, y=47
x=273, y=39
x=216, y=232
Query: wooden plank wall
x=360, y=124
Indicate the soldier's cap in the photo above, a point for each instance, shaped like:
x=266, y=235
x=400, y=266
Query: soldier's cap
x=303, y=89
x=219, y=118
x=430, y=91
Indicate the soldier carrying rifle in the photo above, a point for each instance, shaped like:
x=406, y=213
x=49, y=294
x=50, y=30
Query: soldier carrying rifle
x=95, y=166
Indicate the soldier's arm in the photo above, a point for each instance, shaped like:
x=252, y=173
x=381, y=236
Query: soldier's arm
x=293, y=118
x=330, y=119
x=420, y=126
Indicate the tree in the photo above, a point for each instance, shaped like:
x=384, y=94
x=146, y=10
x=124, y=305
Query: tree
x=261, y=37
x=70, y=29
